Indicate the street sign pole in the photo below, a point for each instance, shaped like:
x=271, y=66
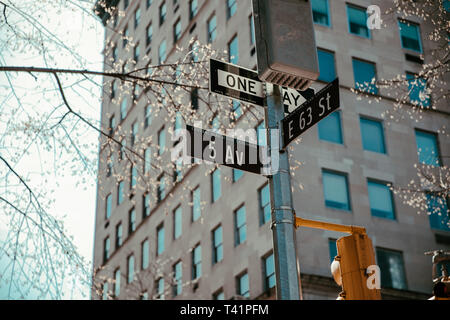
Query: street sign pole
x=283, y=219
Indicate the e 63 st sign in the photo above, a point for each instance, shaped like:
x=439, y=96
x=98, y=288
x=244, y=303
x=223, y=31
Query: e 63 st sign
x=325, y=102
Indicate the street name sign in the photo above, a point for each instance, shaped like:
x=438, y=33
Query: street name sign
x=292, y=99
x=231, y=152
x=235, y=82
x=325, y=102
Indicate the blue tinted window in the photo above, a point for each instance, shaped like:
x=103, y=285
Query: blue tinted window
x=365, y=76
x=237, y=174
x=216, y=185
x=335, y=190
x=372, y=135
x=233, y=50
x=381, y=200
x=243, y=286
x=264, y=204
x=326, y=65
x=269, y=272
x=217, y=245
x=357, y=21
x=160, y=240
x=320, y=12
x=261, y=134
x=240, y=226
x=330, y=128
x=410, y=36
x=332, y=249
x=417, y=88
x=427, y=148
x=231, y=8
x=392, y=269
x=438, y=212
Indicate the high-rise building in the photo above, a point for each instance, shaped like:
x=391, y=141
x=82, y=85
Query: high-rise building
x=205, y=232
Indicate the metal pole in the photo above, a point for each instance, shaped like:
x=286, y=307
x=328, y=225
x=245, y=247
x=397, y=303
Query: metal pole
x=283, y=222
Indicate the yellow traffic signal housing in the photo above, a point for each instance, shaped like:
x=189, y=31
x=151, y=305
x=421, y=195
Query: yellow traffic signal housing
x=350, y=268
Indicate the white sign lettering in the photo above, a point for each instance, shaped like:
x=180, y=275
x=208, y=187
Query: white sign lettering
x=235, y=82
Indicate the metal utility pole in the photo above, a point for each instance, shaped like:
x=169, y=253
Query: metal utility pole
x=283, y=219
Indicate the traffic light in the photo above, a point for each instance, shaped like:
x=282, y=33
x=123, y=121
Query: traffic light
x=285, y=42
x=354, y=268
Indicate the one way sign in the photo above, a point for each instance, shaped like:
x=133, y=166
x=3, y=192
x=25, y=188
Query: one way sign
x=311, y=112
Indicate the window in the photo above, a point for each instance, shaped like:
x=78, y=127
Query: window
x=320, y=12
x=196, y=262
x=438, y=212
x=194, y=99
x=109, y=165
x=252, y=29
x=148, y=116
x=125, y=4
x=160, y=239
x=261, y=134
x=269, y=272
x=264, y=204
x=357, y=21
x=217, y=241
x=392, y=269
x=160, y=286
x=177, y=222
x=119, y=235
x=161, y=141
x=372, y=135
x=237, y=174
x=125, y=37
x=216, y=185
x=122, y=150
x=131, y=221
x=193, y=9
x=137, y=17
x=144, y=296
x=106, y=249
x=162, y=13
x=130, y=269
x=178, y=121
x=147, y=160
x=327, y=69
x=196, y=204
x=144, y=254
x=176, y=31
x=219, y=295
x=177, y=274
x=410, y=36
x=123, y=109
x=417, y=88
x=231, y=8
x=149, y=33
x=120, y=190
x=113, y=90
x=240, y=226
x=136, y=54
x=117, y=283
x=243, y=288
x=112, y=125
x=330, y=128
x=149, y=3
x=332, y=249
x=161, y=191
x=162, y=52
x=105, y=295
x=233, y=50
x=145, y=205
x=212, y=29
x=133, y=177
x=335, y=189
x=381, y=200
x=427, y=148
x=365, y=76
x=237, y=110
x=108, y=206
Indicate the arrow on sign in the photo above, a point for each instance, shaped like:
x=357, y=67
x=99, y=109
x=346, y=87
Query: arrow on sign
x=325, y=102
